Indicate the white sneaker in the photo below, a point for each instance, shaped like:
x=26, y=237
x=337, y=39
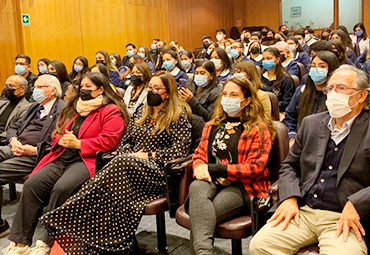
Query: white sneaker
x=12, y=249
x=41, y=248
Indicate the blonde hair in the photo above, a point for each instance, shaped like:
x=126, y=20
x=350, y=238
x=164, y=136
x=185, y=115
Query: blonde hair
x=285, y=46
x=172, y=109
x=252, y=114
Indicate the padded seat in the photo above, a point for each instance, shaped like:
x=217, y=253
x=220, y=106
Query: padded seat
x=156, y=206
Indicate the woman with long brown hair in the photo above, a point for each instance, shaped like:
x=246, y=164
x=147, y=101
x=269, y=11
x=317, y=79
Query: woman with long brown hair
x=102, y=57
x=160, y=131
x=230, y=162
x=92, y=121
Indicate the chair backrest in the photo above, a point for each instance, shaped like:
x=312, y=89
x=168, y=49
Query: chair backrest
x=259, y=69
x=120, y=91
x=197, y=50
x=279, y=151
x=302, y=70
x=274, y=105
x=296, y=80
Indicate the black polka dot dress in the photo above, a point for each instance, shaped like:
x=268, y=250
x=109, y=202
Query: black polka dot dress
x=104, y=215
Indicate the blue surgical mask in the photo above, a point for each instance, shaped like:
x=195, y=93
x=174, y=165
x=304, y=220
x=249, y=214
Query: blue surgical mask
x=268, y=64
x=38, y=95
x=318, y=75
x=77, y=68
x=292, y=48
x=168, y=65
x=307, y=37
x=201, y=80
x=185, y=63
x=130, y=53
x=231, y=105
x=234, y=53
x=359, y=33
x=19, y=69
x=228, y=48
x=43, y=69
x=153, y=46
x=209, y=51
x=142, y=55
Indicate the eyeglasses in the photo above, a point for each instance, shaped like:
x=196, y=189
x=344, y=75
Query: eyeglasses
x=342, y=89
x=41, y=86
x=155, y=89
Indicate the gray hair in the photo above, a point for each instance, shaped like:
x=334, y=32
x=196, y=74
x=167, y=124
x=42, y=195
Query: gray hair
x=21, y=79
x=53, y=82
x=362, y=80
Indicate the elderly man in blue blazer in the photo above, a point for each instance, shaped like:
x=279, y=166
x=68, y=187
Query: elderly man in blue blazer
x=324, y=183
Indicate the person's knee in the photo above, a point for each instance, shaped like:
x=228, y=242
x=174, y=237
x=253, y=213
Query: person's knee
x=256, y=245
x=196, y=187
x=30, y=184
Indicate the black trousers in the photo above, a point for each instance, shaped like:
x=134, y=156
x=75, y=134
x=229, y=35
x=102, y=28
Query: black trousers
x=12, y=168
x=51, y=186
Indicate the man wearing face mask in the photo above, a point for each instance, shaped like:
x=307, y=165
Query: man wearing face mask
x=237, y=49
x=22, y=66
x=30, y=134
x=15, y=106
x=324, y=189
x=131, y=50
x=206, y=41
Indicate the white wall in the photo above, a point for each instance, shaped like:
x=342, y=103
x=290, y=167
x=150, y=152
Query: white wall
x=349, y=13
x=314, y=13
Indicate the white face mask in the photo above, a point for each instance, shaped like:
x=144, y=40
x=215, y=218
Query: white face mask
x=217, y=62
x=219, y=37
x=338, y=104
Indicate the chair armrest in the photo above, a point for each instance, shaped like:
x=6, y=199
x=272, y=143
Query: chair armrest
x=174, y=170
x=101, y=159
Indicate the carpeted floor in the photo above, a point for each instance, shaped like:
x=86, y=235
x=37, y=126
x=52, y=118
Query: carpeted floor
x=177, y=237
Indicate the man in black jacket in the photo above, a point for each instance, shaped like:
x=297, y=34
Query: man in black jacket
x=27, y=135
x=324, y=183
x=22, y=66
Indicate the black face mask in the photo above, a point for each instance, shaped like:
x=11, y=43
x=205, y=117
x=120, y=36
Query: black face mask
x=154, y=99
x=9, y=94
x=255, y=50
x=285, y=32
x=269, y=38
x=206, y=45
x=324, y=37
x=85, y=94
x=246, y=39
x=173, y=48
x=100, y=62
x=264, y=33
x=136, y=80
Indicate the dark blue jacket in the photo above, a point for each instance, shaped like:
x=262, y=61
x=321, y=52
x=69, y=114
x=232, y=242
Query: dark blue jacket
x=180, y=75
x=303, y=58
x=286, y=91
x=293, y=69
x=114, y=78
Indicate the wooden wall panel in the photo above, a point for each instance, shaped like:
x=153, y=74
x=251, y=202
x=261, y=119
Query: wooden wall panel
x=366, y=14
x=10, y=37
x=258, y=13
x=55, y=31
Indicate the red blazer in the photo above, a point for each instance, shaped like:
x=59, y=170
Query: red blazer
x=101, y=131
x=253, y=153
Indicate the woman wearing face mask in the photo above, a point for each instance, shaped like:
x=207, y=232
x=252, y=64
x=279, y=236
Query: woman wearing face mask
x=299, y=53
x=247, y=70
x=144, y=53
x=234, y=150
x=172, y=64
x=276, y=78
x=116, y=60
x=309, y=98
x=42, y=66
x=269, y=40
x=359, y=37
x=342, y=36
x=339, y=50
x=136, y=93
x=203, y=90
x=59, y=70
x=187, y=61
x=210, y=48
x=222, y=64
x=102, y=57
x=79, y=68
x=286, y=59
x=159, y=131
x=100, y=68
x=255, y=53
x=92, y=121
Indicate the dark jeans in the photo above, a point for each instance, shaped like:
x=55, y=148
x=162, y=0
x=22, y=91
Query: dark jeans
x=210, y=205
x=51, y=186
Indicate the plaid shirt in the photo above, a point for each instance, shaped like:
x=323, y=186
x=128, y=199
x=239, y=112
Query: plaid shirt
x=253, y=154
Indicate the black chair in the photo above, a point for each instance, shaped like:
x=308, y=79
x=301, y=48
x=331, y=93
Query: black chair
x=275, y=112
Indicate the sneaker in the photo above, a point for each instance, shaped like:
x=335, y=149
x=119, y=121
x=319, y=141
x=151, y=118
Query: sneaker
x=41, y=248
x=4, y=229
x=15, y=250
